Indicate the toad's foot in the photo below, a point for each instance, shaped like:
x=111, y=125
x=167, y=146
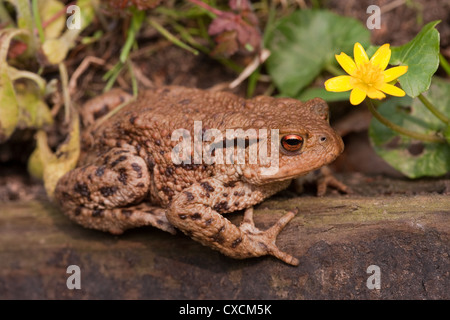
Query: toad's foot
x=327, y=179
x=198, y=210
x=263, y=242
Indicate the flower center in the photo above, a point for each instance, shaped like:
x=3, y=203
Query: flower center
x=369, y=75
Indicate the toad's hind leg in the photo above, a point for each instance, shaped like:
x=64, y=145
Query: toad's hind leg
x=198, y=214
x=104, y=195
x=118, y=220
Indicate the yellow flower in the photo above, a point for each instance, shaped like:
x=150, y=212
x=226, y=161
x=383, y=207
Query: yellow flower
x=367, y=77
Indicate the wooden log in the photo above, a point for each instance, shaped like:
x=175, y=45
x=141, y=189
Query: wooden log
x=336, y=238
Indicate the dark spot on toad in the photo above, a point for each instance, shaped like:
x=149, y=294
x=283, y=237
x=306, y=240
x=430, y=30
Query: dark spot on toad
x=118, y=160
x=97, y=213
x=236, y=242
x=132, y=119
x=106, y=160
x=123, y=176
x=182, y=216
x=100, y=171
x=230, y=184
x=196, y=216
x=205, y=185
x=127, y=213
x=169, y=192
x=77, y=211
x=108, y=191
x=161, y=152
x=221, y=207
x=189, y=195
x=140, y=185
x=82, y=189
x=121, y=151
x=218, y=237
x=225, y=194
x=150, y=163
x=138, y=169
x=158, y=142
x=208, y=222
x=169, y=171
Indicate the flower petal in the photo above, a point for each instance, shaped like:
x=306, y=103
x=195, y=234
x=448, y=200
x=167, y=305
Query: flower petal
x=393, y=73
x=338, y=84
x=346, y=63
x=357, y=96
x=382, y=56
x=392, y=90
x=360, y=54
x=375, y=94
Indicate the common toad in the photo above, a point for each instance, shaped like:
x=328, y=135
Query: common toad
x=134, y=171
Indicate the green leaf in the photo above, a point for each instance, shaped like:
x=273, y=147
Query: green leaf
x=421, y=55
x=33, y=111
x=411, y=157
x=48, y=9
x=305, y=42
x=9, y=110
x=447, y=134
x=49, y=166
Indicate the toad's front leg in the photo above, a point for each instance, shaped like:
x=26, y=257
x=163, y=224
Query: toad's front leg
x=197, y=211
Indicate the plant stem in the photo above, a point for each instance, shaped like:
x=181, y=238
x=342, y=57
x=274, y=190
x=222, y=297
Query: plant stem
x=444, y=64
x=401, y=130
x=37, y=20
x=433, y=109
x=65, y=89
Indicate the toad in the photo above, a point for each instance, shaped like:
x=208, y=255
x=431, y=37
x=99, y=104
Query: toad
x=133, y=172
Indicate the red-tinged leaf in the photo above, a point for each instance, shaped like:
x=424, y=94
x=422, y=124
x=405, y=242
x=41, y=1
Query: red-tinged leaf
x=245, y=37
x=226, y=44
x=16, y=49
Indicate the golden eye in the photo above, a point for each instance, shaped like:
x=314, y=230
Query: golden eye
x=292, y=142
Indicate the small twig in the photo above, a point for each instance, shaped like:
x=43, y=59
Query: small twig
x=57, y=15
x=66, y=94
x=81, y=68
x=257, y=61
x=392, y=5
x=141, y=77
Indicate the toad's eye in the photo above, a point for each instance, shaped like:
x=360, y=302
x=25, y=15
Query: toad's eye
x=292, y=142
